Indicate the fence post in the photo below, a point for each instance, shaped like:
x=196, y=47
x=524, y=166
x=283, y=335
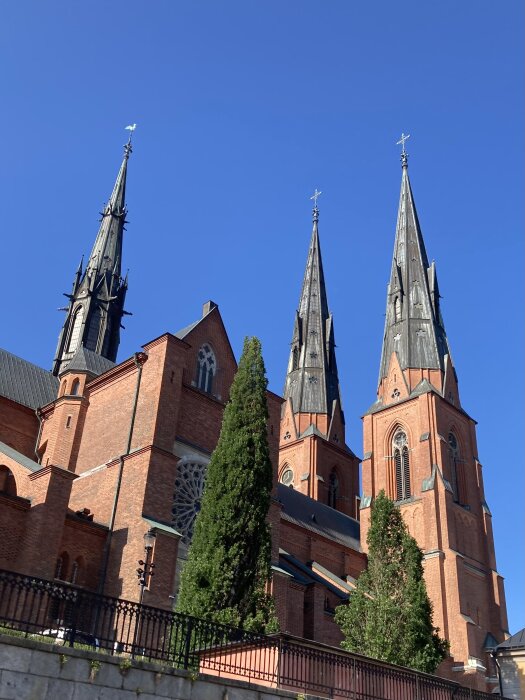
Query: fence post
x=187, y=643
x=74, y=616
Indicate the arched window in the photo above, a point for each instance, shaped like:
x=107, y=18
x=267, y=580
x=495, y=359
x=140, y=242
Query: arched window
x=397, y=309
x=206, y=368
x=93, y=330
x=75, y=570
x=62, y=566
x=333, y=490
x=75, y=387
x=402, y=465
x=75, y=330
x=7, y=481
x=295, y=358
x=453, y=461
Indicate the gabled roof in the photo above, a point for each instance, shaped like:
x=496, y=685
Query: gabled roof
x=26, y=383
x=184, y=331
x=317, y=517
x=85, y=360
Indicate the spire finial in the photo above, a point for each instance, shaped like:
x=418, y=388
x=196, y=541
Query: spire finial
x=128, y=148
x=404, y=154
x=315, y=197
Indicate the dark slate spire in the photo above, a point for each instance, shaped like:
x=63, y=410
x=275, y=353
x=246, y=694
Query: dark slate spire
x=413, y=326
x=96, y=303
x=312, y=382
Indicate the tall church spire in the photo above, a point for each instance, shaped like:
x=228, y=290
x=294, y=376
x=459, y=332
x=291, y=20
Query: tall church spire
x=96, y=303
x=312, y=382
x=414, y=327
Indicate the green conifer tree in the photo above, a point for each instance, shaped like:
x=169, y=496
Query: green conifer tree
x=389, y=616
x=228, y=566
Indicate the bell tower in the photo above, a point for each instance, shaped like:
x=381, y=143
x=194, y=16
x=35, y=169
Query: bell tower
x=96, y=302
x=313, y=455
x=420, y=447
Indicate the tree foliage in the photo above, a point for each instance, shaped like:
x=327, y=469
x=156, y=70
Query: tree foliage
x=228, y=567
x=389, y=616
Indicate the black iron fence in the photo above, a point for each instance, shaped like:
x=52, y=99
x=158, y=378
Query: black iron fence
x=66, y=614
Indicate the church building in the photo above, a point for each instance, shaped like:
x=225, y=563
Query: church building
x=98, y=452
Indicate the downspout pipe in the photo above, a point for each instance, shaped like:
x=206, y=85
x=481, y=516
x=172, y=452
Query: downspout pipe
x=37, y=443
x=494, y=655
x=139, y=358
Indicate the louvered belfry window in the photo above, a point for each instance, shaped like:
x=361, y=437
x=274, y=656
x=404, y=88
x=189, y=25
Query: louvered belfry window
x=402, y=465
x=453, y=455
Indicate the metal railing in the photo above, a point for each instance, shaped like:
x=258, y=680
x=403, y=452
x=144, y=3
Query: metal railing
x=72, y=616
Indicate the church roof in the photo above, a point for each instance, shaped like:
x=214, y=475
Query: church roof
x=312, y=382
x=85, y=360
x=517, y=641
x=26, y=383
x=20, y=458
x=318, y=517
x=414, y=327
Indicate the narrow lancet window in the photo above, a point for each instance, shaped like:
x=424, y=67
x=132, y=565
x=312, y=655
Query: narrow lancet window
x=397, y=309
x=453, y=460
x=333, y=490
x=75, y=330
x=402, y=466
x=206, y=369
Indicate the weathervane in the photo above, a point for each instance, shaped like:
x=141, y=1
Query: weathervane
x=404, y=155
x=131, y=128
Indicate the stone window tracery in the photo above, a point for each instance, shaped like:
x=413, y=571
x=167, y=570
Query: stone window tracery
x=189, y=487
x=402, y=466
x=206, y=368
x=287, y=476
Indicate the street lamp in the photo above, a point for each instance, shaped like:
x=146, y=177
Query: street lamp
x=145, y=572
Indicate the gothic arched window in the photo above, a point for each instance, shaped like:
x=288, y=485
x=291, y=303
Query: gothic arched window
x=75, y=387
x=333, y=490
x=93, y=330
x=453, y=460
x=206, y=368
x=75, y=330
x=397, y=309
x=295, y=358
x=402, y=466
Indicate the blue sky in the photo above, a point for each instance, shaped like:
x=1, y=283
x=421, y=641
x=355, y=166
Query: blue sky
x=243, y=109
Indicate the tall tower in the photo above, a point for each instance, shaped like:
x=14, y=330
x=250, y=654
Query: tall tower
x=420, y=447
x=96, y=302
x=313, y=455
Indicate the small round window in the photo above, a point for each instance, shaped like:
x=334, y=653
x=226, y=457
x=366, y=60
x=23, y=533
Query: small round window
x=287, y=477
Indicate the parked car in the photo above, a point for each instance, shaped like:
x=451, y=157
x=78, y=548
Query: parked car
x=65, y=634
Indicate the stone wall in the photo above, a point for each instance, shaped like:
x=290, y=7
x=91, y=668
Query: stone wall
x=35, y=671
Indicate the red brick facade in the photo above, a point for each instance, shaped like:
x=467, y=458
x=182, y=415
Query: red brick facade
x=445, y=508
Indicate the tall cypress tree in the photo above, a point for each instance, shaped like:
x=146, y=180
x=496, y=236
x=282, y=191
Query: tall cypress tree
x=228, y=566
x=389, y=616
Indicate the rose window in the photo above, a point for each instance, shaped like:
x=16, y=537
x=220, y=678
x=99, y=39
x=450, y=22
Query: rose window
x=189, y=487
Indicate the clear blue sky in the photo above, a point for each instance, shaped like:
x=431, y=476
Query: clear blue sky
x=243, y=109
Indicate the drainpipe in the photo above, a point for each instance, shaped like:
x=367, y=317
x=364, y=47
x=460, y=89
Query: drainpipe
x=39, y=418
x=500, y=683
x=139, y=359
